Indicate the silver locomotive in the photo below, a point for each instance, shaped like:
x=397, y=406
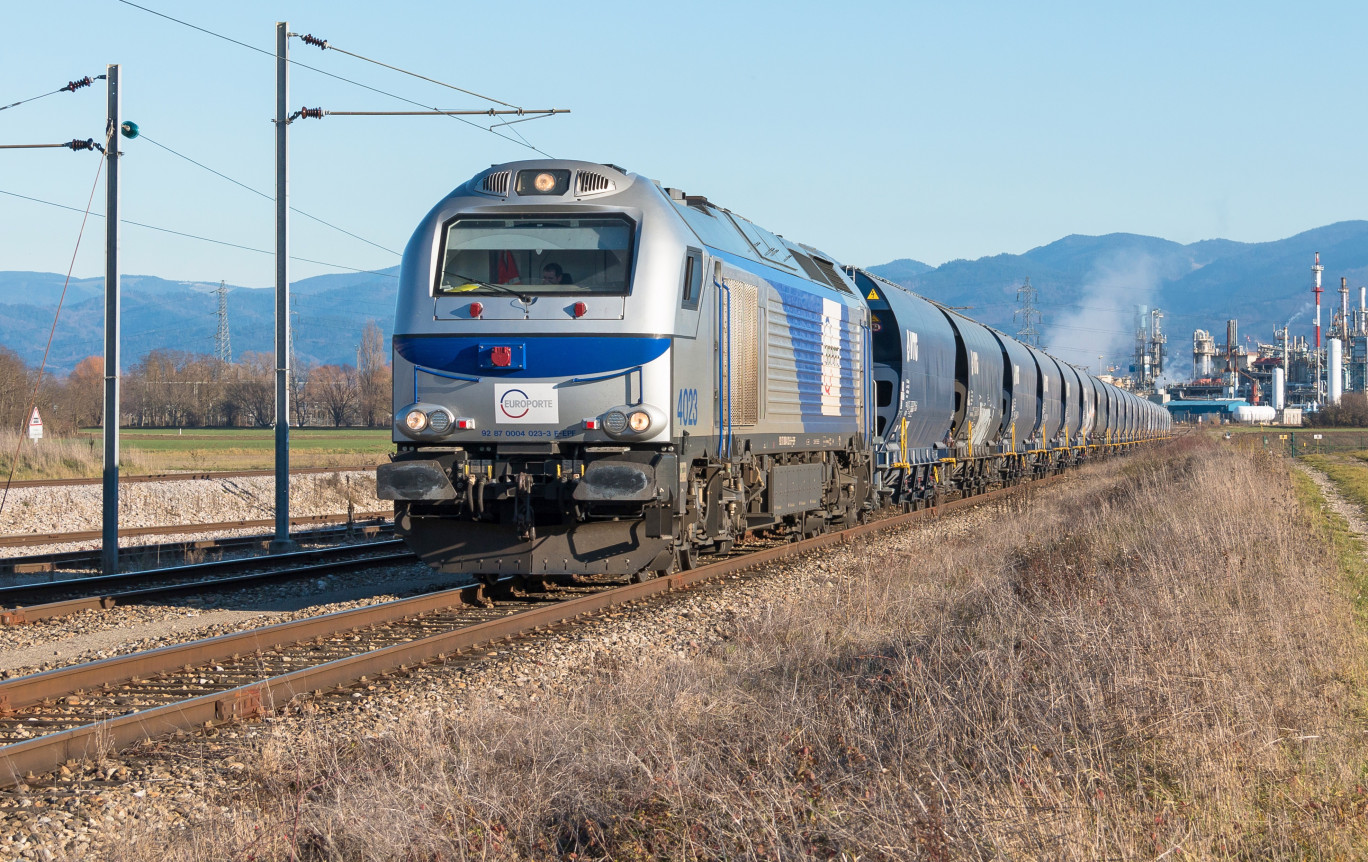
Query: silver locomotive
x=594, y=373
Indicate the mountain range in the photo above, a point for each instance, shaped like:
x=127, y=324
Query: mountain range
x=1087, y=289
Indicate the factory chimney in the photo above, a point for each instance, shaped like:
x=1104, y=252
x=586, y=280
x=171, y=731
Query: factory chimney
x=1344, y=308
x=1316, y=271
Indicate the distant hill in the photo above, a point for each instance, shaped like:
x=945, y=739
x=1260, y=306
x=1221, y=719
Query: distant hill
x=904, y=268
x=330, y=312
x=1087, y=289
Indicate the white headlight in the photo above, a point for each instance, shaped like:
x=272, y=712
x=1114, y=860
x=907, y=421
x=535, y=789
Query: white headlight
x=639, y=421
x=416, y=420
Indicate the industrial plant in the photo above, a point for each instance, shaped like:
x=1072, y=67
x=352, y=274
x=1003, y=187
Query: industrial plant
x=1275, y=382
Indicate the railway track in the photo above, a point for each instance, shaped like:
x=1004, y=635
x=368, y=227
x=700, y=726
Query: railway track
x=86, y=710
x=23, y=540
x=90, y=559
x=27, y=603
x=176, y=477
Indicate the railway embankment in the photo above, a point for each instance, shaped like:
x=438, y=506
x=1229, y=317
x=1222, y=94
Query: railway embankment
x=77, y=508
x=1160, y=655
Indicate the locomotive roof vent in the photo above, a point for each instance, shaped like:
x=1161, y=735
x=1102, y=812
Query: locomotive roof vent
x=675, y=194
x=589, y=183
x=496, y=183
x=829, y=270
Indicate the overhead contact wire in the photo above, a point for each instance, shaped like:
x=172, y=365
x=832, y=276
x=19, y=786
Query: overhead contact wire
x=201, y=238
x=271, y=54
x=325, y=45
x=260, y=193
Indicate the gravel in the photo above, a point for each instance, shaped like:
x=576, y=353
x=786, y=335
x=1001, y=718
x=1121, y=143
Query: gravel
x=78, y=508
x=167, y=784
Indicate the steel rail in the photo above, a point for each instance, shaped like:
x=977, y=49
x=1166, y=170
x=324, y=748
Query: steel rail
x=46, y=753
x=20, y=613
x=19, y=540
x=177, y=477
x=59, y=560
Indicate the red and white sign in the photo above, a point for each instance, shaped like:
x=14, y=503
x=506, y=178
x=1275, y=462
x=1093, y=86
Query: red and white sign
x=35, y=426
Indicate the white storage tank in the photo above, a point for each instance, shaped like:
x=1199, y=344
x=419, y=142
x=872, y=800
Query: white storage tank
x=1279, y=389
x=1254, y=414
x=1335, y=373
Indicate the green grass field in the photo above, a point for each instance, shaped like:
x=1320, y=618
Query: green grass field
x=1308, y=441
x=172, y=449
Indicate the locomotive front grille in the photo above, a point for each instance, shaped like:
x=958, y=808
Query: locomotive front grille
x=496, y=183
x=590, y=183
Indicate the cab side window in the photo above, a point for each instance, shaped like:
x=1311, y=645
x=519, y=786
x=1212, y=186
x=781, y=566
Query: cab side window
x=693, y=277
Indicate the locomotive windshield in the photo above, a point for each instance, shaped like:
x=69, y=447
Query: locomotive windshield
x=556, y=255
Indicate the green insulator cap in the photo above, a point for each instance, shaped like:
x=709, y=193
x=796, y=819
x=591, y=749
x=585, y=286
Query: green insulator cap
x=129, y=129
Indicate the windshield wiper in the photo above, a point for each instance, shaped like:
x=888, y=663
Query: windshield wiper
x=475, y=284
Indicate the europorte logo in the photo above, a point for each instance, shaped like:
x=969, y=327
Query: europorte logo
x=526, y=404
x=516, y=404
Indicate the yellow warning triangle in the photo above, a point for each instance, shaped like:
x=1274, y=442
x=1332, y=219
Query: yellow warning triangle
x=873, y=294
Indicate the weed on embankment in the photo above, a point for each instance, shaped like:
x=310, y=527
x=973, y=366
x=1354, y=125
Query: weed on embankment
x=1155, y=659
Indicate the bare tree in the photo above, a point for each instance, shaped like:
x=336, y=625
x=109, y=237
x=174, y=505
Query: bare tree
x=253, y=388
x=85, y=391
x=373, y=377
x=333, y=388
x=16, y=388
x=299, y=396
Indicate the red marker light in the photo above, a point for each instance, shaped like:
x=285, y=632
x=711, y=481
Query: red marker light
x=580, y=309
x=476, y=309
x=591, y=424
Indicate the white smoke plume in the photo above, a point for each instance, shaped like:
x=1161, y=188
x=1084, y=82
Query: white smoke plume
x=1103, y=321
x=1306, y=306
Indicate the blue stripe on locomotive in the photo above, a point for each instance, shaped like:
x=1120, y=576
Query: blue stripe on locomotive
x=803, y=305
x=545, y=356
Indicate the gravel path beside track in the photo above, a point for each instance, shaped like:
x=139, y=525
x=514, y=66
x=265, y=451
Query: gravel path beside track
x=1356, y=518
x=165, y=785
x=152, y=504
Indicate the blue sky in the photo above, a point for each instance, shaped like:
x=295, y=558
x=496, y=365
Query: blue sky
x=873, y=130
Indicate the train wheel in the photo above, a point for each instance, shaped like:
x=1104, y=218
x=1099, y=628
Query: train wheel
x=645, y=575
x=686, y=558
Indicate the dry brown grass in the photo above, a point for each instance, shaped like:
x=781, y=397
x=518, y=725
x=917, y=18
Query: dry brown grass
x=59, y=457
x=1156, y=660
